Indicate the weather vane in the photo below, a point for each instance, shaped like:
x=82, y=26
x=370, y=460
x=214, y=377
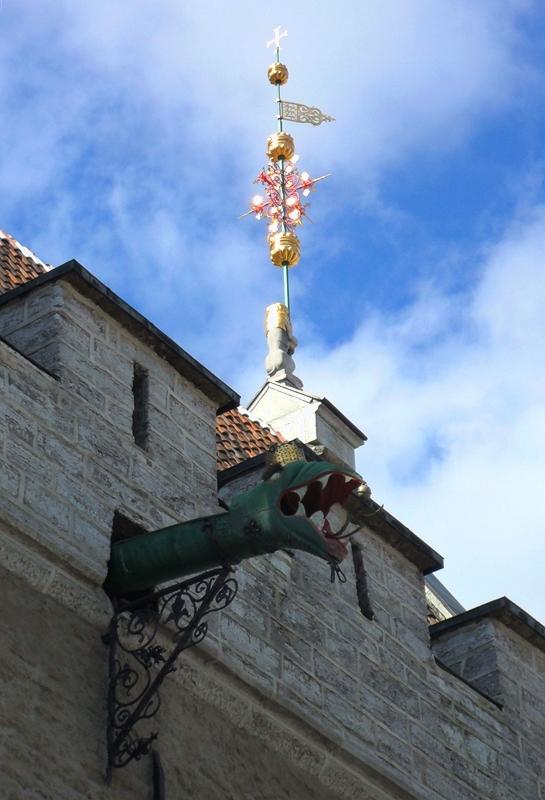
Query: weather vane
x=284, y=186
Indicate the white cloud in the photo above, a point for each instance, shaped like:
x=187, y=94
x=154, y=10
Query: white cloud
x=452, y=395
x=398, y=77
x=137, y=135
x=130, y=134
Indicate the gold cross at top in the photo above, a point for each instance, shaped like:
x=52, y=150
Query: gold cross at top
x=277, y=36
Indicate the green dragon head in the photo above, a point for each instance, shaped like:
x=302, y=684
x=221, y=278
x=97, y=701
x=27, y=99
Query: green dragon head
x=299, y=508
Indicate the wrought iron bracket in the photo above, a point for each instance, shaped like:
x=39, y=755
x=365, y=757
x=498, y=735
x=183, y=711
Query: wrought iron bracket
x=140, y=657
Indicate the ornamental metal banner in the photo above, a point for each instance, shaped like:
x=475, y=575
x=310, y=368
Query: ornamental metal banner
x=297, y=112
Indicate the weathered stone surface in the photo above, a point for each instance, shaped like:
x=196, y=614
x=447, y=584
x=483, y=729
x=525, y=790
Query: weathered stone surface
x=295, y=694
x=312, y=420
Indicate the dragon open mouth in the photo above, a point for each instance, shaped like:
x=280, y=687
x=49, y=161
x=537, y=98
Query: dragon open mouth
x=322, y=503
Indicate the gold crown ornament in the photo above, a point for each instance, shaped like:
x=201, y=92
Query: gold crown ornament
x=284, y=249
x=285, y=453
x=277, y=74
x=280, y=145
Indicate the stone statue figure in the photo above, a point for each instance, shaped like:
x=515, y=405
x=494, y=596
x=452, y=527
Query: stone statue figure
x=281, y=343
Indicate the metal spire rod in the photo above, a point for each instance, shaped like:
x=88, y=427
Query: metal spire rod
x=285, y=265
x=285, y=187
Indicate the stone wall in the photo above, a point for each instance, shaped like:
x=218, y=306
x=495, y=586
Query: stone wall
x=69, y=451
x=295, y=693
x=374, y=686
x=217, y=742
x=371, y=686
x=471, y=652
x=522, y=678
x=499, y=661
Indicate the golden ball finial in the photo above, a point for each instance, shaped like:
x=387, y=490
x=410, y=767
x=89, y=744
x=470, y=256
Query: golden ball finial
x=277, y=74
x=284, y=249
x=280, y=145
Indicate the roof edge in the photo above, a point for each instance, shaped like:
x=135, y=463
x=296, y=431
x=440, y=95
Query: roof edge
x=136, y=323
x=503, y=610
x=440, y=591
x=374, y=516
x=229, y=474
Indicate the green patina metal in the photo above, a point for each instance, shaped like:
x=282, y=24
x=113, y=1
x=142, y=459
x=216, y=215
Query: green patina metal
x=272, y=516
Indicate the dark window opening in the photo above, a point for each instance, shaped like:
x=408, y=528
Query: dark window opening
x=125, y=528
x=140, y=414
x=362, y=589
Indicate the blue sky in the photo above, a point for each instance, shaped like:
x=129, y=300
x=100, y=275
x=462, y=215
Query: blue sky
x=131, y=133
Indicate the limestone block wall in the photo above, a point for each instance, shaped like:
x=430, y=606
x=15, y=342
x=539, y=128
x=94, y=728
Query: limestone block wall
x=69, y=458
x=217, y=740
x=373, y=687
x=295, y=693
x=472, y=653
x=512, y=670
x=522, y=677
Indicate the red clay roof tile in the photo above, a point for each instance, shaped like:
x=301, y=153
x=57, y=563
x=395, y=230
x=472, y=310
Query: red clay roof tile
x=17, y=263
x=238, y=437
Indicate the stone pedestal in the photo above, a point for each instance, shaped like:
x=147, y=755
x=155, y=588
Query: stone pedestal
x=313, y=420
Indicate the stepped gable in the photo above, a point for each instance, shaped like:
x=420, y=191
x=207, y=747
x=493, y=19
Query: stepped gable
x=18, y=264
x=239, y=437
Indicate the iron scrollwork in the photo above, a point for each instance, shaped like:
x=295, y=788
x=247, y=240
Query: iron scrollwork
x=140, y=659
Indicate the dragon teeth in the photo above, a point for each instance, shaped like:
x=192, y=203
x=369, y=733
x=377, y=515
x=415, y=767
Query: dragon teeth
x=340, y=518
x=317, y=519
x=300, y=511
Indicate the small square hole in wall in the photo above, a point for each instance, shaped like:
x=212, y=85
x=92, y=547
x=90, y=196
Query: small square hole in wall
x=125, y=528
x=140, y=412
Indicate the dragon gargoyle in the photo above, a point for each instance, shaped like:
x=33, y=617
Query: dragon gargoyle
x=296, y=508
